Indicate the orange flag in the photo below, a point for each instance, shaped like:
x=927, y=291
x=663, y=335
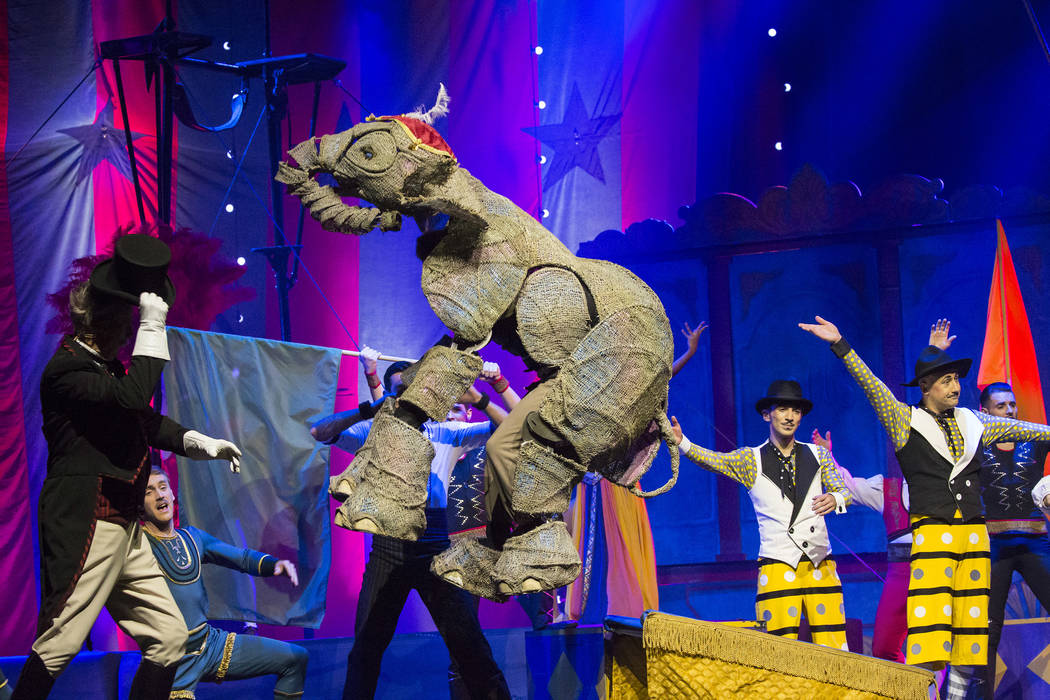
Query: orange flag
x=1009, y=352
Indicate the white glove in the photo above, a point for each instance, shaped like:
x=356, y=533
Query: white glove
x=198, y=446
x=369, y=358
x=152, y=339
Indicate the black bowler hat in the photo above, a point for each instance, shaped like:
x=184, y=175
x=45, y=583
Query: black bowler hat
x=784, y=392
x=934, y=360
x=139, y=264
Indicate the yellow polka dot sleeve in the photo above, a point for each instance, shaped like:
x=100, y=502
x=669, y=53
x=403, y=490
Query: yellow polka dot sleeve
x=999, y=429
x=830, y=477
x=894, y=415
x=739, y=465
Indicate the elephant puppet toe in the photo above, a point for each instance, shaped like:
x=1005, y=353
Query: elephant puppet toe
x=541, y=559
x=468, y=564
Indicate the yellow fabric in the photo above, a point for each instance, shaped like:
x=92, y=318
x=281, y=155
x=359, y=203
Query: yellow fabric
x=632, y=559
x=625, y=675
x=948, y=594
x=785, y=592
x=631, y=579
x=693, y=658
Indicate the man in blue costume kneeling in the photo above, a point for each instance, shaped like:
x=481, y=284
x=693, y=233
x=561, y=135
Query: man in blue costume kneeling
x=212, y=654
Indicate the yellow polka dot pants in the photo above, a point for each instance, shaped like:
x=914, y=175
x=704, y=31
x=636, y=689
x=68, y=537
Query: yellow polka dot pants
x=948, y=593
x=785, y=592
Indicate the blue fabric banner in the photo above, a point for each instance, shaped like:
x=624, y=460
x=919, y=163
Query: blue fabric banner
x=262, y=395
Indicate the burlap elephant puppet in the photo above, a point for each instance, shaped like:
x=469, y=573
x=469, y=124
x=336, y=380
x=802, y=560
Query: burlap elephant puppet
x=596, y=335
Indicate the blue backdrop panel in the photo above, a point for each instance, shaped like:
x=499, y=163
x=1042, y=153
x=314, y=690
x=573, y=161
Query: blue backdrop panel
x=770, y=294
x=684, y=520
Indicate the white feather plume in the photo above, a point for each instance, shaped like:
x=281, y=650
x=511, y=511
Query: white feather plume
x=440, y=108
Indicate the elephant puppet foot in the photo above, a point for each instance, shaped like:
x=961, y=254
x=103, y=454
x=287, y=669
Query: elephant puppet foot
x=541, y=559
x=468, y=564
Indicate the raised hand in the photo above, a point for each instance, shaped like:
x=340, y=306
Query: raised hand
x=692, y=335
x=821, y=440
x=490, y=372
x=369, y=359
x=823, y=329
x=939, y=334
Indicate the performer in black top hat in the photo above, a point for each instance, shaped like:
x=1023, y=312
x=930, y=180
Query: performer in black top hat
x=99, y=426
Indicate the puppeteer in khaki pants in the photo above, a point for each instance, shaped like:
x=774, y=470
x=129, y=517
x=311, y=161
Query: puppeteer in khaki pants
x=121, y=573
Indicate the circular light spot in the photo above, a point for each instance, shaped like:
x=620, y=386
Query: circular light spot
x=975, y=612
x=842, y=608
x=241, y=261
x=772, y=32
x=789, y=575
x=542, y=104
x=817, y=575
x=974, y=538
x=767, y=615
x=947, y=572
x=229, y=208
x=546, y=213
x=845, y=647
x=542, y=159
x=226, y=46
x=538, y=50
x=787, y=87
x=229, y=154
x=918, y=573
x=240, y=318
x=792, y=611
x=779, y=146
x=947, y=611
x=975, y=575
x=920, y=611
x=946, y=538
x=947, y=646
x=763, y=580
x=919, y=539
x=976, y=648
x=916, y=648
x=821, y=609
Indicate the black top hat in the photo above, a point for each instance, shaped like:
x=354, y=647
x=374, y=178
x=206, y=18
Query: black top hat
x=784, y=392
x=139, y=264
x=934, y=360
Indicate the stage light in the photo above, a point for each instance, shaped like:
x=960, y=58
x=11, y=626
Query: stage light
x=779, y=146
x=542, y=159
x=787, y=87
x=229, y=154
x=538, y=50
x=542, y=104
x=226, y=46
x=229, y=208
x=772, y=32
x=240, y=318
x=545, y=213
x=241, y=261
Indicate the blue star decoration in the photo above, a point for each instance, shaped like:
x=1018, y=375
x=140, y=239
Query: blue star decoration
x=102, y=141
x=575, y=140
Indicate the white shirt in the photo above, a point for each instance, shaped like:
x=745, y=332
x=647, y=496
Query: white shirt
x=451, y=440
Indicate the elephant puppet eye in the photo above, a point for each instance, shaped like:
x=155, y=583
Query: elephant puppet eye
x=367, y=153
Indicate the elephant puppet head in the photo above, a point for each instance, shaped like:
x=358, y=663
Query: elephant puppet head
x=390, y=162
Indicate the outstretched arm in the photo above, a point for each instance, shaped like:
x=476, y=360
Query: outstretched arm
x=1001, y=429
x=215, y=551
x=739, y=465
x=692, y=337
x=894, y=415
x=491, y=373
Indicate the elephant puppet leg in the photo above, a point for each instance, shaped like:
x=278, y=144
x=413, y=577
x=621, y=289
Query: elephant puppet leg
x=390, y=498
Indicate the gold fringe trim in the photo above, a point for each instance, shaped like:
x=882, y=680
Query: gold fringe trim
x=227, y=653
x=683, y=635
x=182, y=694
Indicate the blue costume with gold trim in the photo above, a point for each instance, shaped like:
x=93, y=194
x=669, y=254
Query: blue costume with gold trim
x=212, y=654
